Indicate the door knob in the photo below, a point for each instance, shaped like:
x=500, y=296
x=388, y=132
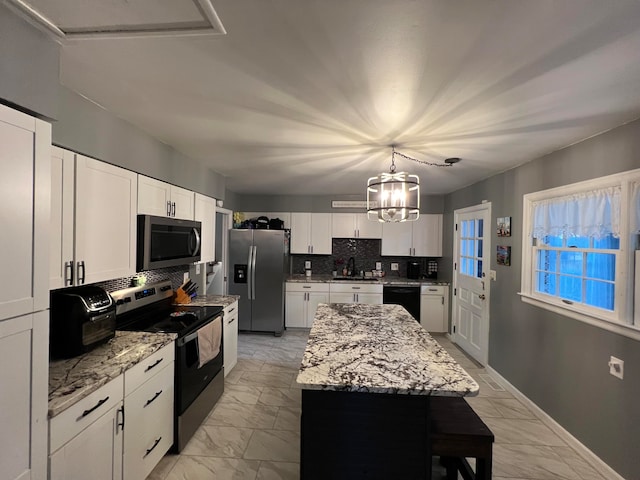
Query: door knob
x=481, y=297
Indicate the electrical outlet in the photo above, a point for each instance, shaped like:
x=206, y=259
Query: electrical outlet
x=185, y=277
x=394, y=266
x=307, y=264
x=197, y=269
x=378, y=265
x=616, y=367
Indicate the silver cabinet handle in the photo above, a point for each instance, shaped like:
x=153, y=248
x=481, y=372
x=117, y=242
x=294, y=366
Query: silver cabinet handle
x=173, y=210
x=80, y=265
x=68, y=273
x=168, y=209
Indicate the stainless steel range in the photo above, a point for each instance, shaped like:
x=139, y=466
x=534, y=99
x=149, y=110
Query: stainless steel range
x=198, y=387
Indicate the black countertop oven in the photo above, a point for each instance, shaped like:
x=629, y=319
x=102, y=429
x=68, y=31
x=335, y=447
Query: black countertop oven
x=81, y=318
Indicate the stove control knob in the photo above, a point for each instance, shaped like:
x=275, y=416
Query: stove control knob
x=119, y=302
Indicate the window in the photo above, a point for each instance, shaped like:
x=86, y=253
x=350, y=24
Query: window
x=579, y=243
x=471, y=247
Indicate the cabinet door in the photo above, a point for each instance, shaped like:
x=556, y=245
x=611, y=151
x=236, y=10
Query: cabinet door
x=312, y=305
x=97, y=449
x=154, y=197
x=230, y=345
x=25, y=153
x=300, y=230
x=369, y=298
x=295, y=315
x=397, y=239
x=427, y=236
x=61, y=228
x=367, y=228
x=432, y=313
x=342, y=297
x=205, y=212
x=105, y=221
x=343, y=225
x=182, y=201
x=321, y=233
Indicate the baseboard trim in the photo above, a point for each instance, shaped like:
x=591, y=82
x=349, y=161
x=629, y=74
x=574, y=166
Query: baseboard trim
x=591, y=458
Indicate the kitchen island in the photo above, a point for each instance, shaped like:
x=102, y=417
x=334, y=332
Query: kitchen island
x=367, y=374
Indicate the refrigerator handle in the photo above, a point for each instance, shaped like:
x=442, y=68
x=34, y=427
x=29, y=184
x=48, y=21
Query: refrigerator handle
x=253, y=273
x=248, y=273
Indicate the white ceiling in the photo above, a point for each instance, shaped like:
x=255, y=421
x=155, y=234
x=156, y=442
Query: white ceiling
x=305, y=96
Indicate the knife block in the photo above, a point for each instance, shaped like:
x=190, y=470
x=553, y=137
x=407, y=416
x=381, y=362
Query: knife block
x=182, y=297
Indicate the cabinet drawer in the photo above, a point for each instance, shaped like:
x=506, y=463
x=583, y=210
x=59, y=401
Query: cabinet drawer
x=147, y=368
x=68, y=424
x=357, y=288
x=151, y=404
x=231, y=310
x=307, y=287
x=432, y=289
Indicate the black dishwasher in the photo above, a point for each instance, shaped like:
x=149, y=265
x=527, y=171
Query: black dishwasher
x=408, y=297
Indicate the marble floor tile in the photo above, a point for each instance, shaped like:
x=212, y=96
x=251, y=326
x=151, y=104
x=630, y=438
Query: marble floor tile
x=218, y=441
x=278, y=471
x=288, y=419
x=269, y=379
x=232, y=377
x=281, y=397
x=483, y=406
x=522, y=432
x=531, y=461
x=242, y=415
x=275, y=445
x=286, y=367
x=246, y=394
x=196, y=467
x=164, y=467
x=578, y=464
x=249, y=364
x=512, y=408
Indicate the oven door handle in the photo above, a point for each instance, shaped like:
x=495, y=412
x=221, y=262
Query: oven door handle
x=192, y=336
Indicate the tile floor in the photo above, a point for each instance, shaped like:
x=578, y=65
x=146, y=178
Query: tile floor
x=253, y=432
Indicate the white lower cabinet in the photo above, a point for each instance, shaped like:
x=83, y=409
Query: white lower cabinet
x=434, y=308
x=148, y=403
x=302, y=300
x=120, y=431
x=361, y=293
x=230, y=337
x=86, y=439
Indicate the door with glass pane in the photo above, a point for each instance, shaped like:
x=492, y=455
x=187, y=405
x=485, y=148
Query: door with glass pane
x=470, y=312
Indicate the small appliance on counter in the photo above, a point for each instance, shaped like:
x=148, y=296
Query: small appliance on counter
x=432, y=270
x=81, y=319
x=413, y=270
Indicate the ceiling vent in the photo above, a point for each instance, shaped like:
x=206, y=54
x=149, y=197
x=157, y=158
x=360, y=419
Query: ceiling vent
x=95, y=19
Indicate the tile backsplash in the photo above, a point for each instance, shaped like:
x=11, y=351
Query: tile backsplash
x=366, y=253
x=174, y=274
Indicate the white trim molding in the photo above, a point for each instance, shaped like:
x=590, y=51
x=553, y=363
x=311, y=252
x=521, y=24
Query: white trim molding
x=591, y=458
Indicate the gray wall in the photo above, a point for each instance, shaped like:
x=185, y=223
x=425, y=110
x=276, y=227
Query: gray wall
x=317, y=203
x=28, y=66
x=29, y=81
x=557, y=362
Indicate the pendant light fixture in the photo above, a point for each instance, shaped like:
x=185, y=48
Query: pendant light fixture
x=395, y=196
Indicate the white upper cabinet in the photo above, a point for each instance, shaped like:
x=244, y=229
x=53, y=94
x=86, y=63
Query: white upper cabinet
x=164, y=200
x=311, y=233
x=25, y=151
x=105, y=221
x=421, y=238
x=61, y=231
x=205, y=212
x=354, y=225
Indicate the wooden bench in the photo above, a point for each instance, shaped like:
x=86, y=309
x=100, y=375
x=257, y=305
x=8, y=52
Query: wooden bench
x=457, y=432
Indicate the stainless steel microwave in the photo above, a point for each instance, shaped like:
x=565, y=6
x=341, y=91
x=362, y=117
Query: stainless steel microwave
x=167, y=242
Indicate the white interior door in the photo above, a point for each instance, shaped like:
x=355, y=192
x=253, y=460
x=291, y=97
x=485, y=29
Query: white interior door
x=472, y=246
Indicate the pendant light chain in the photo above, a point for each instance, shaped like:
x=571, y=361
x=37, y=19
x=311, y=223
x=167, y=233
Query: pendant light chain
x=431, y=164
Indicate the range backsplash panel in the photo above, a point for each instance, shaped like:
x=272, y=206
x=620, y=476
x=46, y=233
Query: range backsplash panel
x=366, y=253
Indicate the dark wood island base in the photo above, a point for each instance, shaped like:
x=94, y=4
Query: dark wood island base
x=361, y=435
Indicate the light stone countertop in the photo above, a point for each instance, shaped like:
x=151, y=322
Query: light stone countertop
x=386, y=280
x=214, y=300
x=378, y=349
x=71, y=380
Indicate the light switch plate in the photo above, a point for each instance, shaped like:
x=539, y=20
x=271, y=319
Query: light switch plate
x=197, y=269
x=394, y=266
x=378, y=265
x=492, y=275
x=307, y=264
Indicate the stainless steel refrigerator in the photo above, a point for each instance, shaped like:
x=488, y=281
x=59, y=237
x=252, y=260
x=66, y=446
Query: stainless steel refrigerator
x=258, y=263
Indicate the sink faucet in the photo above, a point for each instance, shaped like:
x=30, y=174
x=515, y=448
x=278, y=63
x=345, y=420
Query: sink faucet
x=351, y=267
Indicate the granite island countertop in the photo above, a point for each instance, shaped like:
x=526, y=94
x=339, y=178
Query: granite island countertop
x=214, y=300
x=378, y=349
x=386, y=280
x=71, y=380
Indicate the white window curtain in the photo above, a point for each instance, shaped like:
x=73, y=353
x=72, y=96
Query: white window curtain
x=594, y=213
